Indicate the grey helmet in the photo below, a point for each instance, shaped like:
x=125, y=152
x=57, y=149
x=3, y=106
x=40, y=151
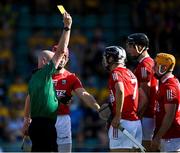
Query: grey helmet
x=117, y=53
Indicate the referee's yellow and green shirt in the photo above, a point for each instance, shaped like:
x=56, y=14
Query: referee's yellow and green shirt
x=43, y=98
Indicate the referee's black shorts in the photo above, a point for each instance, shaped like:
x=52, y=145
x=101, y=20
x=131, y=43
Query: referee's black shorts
x=43, y=135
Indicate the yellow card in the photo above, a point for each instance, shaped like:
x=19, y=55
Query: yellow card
x=61, y=9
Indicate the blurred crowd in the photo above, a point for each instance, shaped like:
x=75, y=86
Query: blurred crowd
x=26, y=28
x=160, y=20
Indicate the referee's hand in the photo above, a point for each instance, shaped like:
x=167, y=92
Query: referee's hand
x=67, y=20
x=25, y=127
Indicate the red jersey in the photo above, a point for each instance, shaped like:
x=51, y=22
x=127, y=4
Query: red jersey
x=124, y=75
x=168, y=93
x=64, y=84
x=144, y=73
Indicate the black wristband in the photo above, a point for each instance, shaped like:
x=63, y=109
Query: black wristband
x=66, y=28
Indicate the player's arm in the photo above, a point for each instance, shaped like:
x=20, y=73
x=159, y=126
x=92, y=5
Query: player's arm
x=87, y=98
x=27, y=118
x=64, y=40
x=119, y=87
x=144, y=91
x=170, y=110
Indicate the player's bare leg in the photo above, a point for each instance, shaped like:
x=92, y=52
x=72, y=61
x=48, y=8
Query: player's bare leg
x=147, y=145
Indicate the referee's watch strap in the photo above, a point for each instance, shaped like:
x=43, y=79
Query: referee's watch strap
x=66, y=28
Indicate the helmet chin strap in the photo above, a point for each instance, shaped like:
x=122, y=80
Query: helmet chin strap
x=139, y=51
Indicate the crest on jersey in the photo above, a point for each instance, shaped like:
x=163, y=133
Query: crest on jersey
x=64, y=81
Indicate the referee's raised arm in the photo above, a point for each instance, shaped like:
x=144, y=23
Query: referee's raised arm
x=64, y=40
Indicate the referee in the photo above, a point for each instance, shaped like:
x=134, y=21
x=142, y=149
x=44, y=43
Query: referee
x=41, y=103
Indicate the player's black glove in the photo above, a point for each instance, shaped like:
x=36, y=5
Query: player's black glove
x=105, y=113
x=65, y=99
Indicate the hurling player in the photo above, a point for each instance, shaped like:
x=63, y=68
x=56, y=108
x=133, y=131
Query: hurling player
x=137, y=50
x=167, y=131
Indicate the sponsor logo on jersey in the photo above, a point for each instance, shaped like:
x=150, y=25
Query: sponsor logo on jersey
x=61, y=93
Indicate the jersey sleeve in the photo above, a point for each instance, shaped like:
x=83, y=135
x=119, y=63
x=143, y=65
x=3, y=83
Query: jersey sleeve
x=76, y=82
x=171, y=95
x=143, y=73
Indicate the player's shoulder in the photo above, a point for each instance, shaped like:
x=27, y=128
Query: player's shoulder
x=171, y=89
x=119, y=72
x=172, y=82
x=119, y=69
x=146, y=62
x=71, y=74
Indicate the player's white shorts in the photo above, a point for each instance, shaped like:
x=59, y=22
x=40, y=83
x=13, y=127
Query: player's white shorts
x=168, y=145
x=63, y=128
x=148, y=126
x=118, y=140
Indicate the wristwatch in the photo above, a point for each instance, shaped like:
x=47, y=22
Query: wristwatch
x=66, y=28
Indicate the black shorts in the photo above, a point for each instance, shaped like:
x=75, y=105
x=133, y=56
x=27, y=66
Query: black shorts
x=43, y=135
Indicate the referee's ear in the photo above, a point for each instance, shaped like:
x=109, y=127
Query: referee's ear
x=44, y=60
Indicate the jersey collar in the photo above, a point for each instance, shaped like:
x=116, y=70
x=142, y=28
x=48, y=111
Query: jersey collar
x=165, y=78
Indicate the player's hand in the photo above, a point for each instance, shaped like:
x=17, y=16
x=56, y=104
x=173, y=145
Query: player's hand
x=115, y=122
x=67, y=20
x=140, y=114
x=155, y=144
